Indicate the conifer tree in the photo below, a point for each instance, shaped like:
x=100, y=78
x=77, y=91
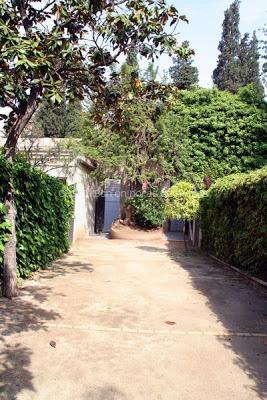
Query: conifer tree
x=183, y=73
x=264, y=56
x=151, y=73
x=58, y=121
x=227, y=74
x=249, y=61
x=131, y=64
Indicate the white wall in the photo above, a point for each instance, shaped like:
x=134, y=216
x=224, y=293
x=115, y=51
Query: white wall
x=51, y=156
x=85, y=194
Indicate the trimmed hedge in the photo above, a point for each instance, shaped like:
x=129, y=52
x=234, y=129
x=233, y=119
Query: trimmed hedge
x=234, y=220
x=44, y=207
x=182, y=201
x=148, y=208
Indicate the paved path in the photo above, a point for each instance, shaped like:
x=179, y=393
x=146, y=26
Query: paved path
x=106, y=305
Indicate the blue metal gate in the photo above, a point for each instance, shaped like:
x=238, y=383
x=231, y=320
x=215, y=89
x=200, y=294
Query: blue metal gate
x=112, y=203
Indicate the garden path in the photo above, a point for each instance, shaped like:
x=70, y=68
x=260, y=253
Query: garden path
x=134, y=321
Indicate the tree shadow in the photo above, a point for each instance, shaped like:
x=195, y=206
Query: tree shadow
x=239, y=306
x=63, y=267
x=19, y=316
x=105, y=393
x=15, y=375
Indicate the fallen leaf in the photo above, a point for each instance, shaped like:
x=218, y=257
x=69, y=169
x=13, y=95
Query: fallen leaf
x=53, y=343
x=170, y=322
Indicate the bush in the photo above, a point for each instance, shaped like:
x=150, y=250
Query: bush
x=148, y=209
x=234, y=220
x=182, y=202
x=44, y=207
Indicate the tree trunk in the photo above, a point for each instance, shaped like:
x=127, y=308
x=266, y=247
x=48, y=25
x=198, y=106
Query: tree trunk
x=10, y=288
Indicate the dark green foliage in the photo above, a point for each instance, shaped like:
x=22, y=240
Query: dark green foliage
x=44, y=208
x=132, y=58
x=183, y=74
x=249, y=61
x=214, y=133
x=129, y=148
x=227, y=74
x=264, y=56
x=238, y=62
x=148, y=209
x=4, y=230
x=58, y=121
x=234, y=220
x=5, y=170
x=206, y=132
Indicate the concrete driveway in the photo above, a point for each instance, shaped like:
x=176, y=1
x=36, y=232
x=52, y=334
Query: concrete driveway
x=134, y=321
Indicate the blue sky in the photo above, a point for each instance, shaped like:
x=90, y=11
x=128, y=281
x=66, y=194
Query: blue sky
x=205, y=28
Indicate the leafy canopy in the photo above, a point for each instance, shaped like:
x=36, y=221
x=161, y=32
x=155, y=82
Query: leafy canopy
x=63, y=48
x=128, y=147
x=183, y=74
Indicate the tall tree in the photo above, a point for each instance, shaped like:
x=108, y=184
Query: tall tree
x=227, y=74
x=58, y=48
x=132, y=58
x=151, y=73
x=249, y=61
x=183, y=73
x=130, y=68
x=58, y=121
x=264, y=56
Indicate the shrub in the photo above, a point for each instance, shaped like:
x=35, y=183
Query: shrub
x=44, y=207
x=148, y=209
x=234, y=220
x=182, y=202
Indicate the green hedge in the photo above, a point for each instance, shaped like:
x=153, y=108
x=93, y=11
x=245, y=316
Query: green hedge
x=4, y=230
x=44, y=207
x=148, y=209
x=234, y=220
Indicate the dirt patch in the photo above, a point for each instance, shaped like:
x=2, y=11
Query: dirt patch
x=127, y=232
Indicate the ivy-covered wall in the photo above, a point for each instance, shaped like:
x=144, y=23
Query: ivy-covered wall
x=213, y=133
x=234, y=220
x=44, y=207
x=4, y=230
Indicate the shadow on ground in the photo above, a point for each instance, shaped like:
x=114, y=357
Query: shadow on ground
x=64, y=266
x=26, y=314
x=20, y=315
x=240, y=306
x=105, y=393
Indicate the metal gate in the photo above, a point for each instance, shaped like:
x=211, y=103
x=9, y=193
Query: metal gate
x=99, y=213
x=112, y=202
x=176, y=225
